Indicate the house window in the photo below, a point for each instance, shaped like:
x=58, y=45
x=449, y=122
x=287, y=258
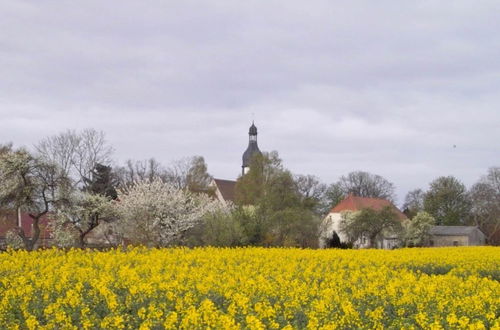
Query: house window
x=455, y=243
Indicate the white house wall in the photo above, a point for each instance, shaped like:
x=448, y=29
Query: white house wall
x=330, y=224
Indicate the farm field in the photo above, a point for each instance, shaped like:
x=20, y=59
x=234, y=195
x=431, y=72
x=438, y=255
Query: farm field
x=253, y=288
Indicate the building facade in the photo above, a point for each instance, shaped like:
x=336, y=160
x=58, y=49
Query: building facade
x=331, y=223
x=225, y=189
x=12, y=221
x=456, y=236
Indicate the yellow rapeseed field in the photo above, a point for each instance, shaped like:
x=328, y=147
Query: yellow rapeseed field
x=251, y=288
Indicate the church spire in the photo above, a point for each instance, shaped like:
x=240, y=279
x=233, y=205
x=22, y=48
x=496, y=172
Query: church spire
x=252, y=149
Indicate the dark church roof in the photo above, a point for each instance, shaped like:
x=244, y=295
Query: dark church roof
x=248, y=154
x=252, y=148
x=226, y=188
x=252, y=130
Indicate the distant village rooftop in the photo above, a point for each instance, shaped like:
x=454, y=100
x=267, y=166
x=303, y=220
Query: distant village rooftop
x=356, y=203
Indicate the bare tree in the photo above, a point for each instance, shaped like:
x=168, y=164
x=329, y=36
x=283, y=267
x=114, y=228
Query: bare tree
x=414, y=202
x=189, y=174
x=92, y=150
x=312, y=192
x=333, y=195
x=140, y=170
x=76, y=153
x=485, y=197
x=59, y=149
x=364, y=184
x=4, y=148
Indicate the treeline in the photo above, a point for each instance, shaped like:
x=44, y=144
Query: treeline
x=71, y=179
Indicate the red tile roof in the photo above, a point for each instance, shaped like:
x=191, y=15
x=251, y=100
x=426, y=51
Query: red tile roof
x=226, y=188
x=355, y=203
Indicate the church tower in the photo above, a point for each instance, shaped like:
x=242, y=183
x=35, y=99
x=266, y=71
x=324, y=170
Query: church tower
x=252, y=149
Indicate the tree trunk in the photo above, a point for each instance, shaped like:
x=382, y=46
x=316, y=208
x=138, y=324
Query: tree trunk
x=36, y=232
x=83, y=234
x=81, y=240
x=30, y=243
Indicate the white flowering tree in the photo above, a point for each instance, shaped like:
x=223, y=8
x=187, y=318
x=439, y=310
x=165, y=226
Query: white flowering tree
x=157, y=213
x=78, y=218
x=32, y=185
x=416, y=230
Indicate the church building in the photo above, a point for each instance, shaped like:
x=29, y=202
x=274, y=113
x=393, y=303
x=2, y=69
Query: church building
x=224, y=189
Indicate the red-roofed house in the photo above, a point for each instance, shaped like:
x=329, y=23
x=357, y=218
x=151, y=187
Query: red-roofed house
x=351, y=204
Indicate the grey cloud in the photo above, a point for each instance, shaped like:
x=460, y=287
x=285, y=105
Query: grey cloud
x=385, y=86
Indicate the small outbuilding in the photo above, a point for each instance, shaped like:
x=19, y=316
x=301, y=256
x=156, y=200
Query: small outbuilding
x=456, y=236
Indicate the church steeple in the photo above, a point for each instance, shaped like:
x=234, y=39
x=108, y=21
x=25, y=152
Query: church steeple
x=252, y=149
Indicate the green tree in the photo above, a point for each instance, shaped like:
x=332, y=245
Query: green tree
x=251, y=188
x=447, y=201
x=370, y=224
x=197, y=178
x=222, y=228
x=102, y=182
x=281, y=215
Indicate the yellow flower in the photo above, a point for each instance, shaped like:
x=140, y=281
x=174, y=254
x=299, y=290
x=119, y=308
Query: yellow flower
x=452, y=319
x=253, y=288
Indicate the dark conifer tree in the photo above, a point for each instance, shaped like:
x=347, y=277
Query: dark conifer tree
x=103, y=182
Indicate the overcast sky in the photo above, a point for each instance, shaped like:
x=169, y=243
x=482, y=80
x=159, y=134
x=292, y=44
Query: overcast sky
x=409, y=90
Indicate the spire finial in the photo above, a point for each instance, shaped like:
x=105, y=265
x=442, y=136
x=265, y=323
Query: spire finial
x=253, y=129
